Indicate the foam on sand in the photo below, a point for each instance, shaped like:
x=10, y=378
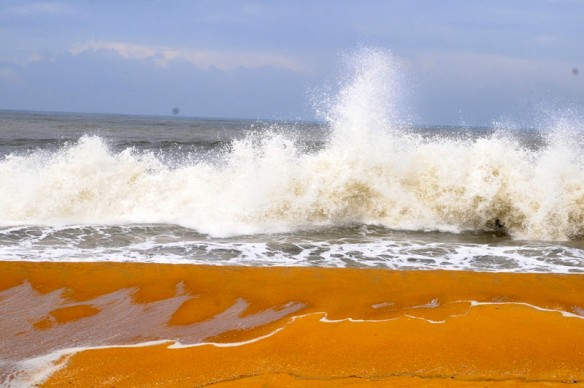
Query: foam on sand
x=148, y=322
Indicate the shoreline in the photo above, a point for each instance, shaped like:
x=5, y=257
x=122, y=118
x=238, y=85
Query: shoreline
x=290, y=325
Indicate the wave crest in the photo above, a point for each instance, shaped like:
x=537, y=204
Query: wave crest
x=369, y=172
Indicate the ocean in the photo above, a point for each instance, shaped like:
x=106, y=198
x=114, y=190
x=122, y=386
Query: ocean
x=77, y=187
x=356, y=189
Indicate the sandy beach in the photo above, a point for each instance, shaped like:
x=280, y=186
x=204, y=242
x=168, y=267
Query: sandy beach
x=200, y=325
x=291, y=194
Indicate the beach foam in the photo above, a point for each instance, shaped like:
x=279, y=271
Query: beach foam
x=353, y=247
x=149, y=322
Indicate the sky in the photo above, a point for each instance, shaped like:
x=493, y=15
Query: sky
x=460, y=62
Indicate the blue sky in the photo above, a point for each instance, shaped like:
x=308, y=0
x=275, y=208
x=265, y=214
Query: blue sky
x=462, y=62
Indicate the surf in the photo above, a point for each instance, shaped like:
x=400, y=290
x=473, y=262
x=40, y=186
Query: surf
x=371, y=170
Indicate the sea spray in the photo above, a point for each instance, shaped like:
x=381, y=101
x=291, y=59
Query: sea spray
x=368, y=101
x=370, y=171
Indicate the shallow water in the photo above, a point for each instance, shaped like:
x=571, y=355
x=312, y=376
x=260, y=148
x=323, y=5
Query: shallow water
x=360, y=189
x=358, y=246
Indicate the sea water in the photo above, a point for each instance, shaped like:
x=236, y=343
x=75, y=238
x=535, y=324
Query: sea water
x=357, y=189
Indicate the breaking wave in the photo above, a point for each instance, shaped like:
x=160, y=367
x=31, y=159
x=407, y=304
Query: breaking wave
x=370, y=171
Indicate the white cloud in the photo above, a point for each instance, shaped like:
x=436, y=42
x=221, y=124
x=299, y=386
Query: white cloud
x=163, y=56
x=40, y=8
x=39, y=56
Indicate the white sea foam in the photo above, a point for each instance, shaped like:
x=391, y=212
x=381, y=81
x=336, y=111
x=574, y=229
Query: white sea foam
x=369, y=172
x=37, y=369
x=152, y=244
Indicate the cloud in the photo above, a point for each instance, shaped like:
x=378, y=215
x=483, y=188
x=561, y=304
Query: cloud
x=40, y=8
x=163, y=56
x=39, y=56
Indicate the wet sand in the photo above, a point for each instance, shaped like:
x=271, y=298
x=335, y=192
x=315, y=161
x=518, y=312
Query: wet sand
x=286, y=326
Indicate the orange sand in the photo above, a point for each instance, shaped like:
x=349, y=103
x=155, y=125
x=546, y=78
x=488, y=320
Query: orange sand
x=416, y=327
